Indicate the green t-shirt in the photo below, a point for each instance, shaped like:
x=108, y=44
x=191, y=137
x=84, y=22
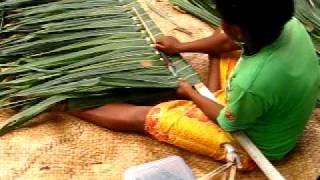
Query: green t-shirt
x=271, y=94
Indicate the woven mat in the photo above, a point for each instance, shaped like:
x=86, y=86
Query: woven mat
x=59, y=146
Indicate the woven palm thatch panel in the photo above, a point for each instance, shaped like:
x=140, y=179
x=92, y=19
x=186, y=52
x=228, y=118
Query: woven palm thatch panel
x=59, y=146
x=51, y=56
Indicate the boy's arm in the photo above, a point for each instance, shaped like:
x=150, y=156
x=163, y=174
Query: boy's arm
x=214, y=45
x=242, y=110
x=208, y=107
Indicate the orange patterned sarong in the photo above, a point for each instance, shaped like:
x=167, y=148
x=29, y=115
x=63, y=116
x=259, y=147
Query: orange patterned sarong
x=183, y=124
x=227, y=63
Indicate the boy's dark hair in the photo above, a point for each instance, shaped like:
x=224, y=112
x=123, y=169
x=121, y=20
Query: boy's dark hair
x=263, y=20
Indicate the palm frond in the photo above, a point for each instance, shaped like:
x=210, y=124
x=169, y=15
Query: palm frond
x=90, y=52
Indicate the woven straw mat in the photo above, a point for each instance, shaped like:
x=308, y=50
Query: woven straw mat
x=59, y=146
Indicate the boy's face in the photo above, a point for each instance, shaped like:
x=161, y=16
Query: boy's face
x=233, y=31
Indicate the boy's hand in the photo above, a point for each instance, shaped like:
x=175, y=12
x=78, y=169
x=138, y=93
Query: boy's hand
x=168, y=45
x=184, y=89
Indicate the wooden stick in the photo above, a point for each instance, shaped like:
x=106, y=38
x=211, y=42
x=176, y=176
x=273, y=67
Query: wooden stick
x=233, y=171
x=2, y=20
x=263, y=163
x=153, y=39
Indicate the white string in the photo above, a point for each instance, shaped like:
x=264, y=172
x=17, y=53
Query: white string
x=216, y=171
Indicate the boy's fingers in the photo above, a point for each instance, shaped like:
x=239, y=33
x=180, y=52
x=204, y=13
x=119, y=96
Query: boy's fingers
x=159, y=41
x=159, y=46
x=182, y=81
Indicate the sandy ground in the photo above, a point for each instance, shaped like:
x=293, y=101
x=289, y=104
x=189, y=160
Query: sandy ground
x=59, y=146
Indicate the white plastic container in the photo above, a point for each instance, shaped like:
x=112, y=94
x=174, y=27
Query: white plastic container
x=170, y=168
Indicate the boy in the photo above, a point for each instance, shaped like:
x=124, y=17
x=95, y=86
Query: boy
x=270, y=94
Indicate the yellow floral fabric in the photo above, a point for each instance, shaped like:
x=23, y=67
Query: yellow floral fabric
x=183, y=124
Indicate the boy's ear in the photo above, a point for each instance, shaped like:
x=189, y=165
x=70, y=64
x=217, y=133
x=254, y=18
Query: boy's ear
x=233, y=31
x=239, y=35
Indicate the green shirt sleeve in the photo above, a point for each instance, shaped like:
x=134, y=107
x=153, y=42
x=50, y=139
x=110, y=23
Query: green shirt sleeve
x=241, y=111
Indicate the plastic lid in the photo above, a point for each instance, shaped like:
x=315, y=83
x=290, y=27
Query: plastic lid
x=170, y=168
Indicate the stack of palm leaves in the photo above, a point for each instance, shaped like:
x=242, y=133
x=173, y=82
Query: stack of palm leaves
x=203, y=9
x=307, y=11
x=90, y=52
